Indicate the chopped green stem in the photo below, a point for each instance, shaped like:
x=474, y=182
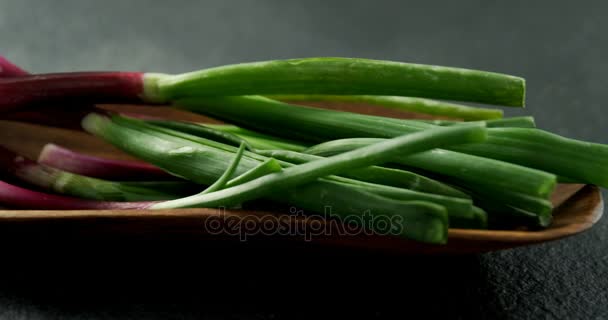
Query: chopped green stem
x=469, y=168
x=206, y=162
x=225, y=177
x=379, y=175
x=460, y=211
x=579, y=160
x=504, y=216
x=298, y=122
x=347, y=76
x=528, y=147
x=540, y=206
x=418, y=105
x=418, y=220
x=388, y=176
x=369, y=155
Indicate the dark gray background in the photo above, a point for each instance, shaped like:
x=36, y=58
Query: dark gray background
x=560, y=47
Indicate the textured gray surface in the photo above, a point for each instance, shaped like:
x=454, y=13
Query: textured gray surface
x=559, y=46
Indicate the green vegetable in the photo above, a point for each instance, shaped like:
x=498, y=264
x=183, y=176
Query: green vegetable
x=516, y=122
x=469, y=169
x=259, y=140
x=50, y=178
x=346, y=76
x=579, y=160
x=225, y=177
x=460, y=210
x=559, y=156
x=269, y=166
x=417, y=220
x=379, y=175
x=362, y=157
x=418, y=105
x=97, y=189
x=297, y=122
x=387, y=176
x=230, y=134
x=206, y=163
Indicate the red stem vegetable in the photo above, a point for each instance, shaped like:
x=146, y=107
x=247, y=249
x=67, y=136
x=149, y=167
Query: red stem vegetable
x=18, y=197
x=9, y=69
x=102, y=168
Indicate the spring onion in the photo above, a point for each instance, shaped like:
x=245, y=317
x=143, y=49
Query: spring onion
x=459, y=216
x=340, y=76
x=85, y=187
x=205, y=162
x=461, y=211
x=103, y=168
x=306, y=123
x=560, y=156
x=418, y=105
x=225, y=177
x=379, y=175
x=310, y=171
x=18, y=197
x=255, y=139
x=347, y=76
x=83, y=87
x=580, y=161
x=64, y=115
x=467, y=168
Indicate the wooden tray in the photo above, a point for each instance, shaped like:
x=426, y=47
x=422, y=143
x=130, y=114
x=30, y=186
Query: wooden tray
x=578, y=207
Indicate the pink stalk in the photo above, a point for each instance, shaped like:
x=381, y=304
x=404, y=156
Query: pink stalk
x=8, y=69
x=83, y=87
x=18, y=197
x=64, y=115
x=108, y=169
x=67, y=114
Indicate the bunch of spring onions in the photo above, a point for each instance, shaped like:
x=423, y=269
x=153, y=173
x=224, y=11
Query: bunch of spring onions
x=475, y=170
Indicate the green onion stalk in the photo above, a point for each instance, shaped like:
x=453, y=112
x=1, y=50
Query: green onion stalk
x=332, y=76
x=306, y=187
x=63, y=182
x=374, y=174
x=417, y=105
x=528, y=147
x=313, y=124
